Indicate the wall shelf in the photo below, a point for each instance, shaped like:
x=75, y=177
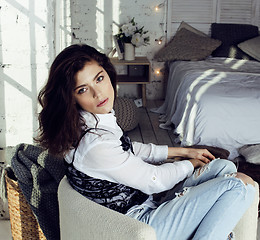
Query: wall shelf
x=137, y=72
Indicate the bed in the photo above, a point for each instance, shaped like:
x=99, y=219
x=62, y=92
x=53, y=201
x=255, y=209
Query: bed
x=213, y=99
x=213, y=102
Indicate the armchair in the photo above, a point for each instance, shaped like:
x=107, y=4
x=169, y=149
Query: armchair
x=81, y=218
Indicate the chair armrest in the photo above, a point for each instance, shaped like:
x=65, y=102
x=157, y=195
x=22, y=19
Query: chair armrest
x=81, y=218
x=247, y=226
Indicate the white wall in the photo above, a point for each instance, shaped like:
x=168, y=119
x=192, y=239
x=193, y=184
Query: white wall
x=95, y=22
x=26, y=50
x=33, y=32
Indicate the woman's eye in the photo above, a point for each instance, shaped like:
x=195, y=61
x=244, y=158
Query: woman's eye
x=82, y=90
x=100, y=78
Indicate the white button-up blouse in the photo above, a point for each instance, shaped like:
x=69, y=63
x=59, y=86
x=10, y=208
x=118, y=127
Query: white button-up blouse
x=100, y=155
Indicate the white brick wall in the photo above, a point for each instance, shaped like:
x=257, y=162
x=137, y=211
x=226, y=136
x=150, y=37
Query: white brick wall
x=94, y=23
x=29, y=41
x=26, y=45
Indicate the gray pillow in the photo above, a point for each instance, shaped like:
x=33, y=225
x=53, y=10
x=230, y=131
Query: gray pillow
x=251, y=47
x=187, y=45
x=190, y=28
x=251, y=153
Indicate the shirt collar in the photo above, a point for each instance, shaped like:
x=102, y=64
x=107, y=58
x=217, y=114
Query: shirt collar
x=105, y=120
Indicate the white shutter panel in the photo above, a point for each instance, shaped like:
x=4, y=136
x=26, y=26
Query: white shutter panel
x=257, y=14
x=201, y=13
x=198, y=13
x=238, y=11
x=193, y=11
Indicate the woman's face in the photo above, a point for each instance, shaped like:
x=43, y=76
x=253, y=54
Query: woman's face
x=94, y=91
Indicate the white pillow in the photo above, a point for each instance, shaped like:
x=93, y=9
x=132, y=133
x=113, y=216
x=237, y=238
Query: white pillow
x=251, y=47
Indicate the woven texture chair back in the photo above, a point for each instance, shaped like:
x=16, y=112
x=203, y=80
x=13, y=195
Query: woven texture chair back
x=23, y=223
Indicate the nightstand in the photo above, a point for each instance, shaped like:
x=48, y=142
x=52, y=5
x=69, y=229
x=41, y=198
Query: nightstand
x=136, y=72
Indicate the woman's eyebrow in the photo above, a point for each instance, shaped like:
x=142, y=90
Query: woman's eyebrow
x=83, y=85
x=97, y=75
x=80, y=86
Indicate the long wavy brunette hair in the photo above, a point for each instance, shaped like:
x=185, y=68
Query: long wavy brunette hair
x=60, y=124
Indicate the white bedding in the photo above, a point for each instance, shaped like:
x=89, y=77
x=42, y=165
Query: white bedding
x=215, y=102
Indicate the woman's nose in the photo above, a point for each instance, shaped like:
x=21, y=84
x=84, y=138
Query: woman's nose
x=97, y=92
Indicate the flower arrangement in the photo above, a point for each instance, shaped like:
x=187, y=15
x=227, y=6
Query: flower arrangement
x=132, y=33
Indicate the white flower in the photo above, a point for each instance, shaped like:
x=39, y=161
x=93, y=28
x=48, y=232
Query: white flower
x=128, y=29
x=137, y=40
x=132, y=33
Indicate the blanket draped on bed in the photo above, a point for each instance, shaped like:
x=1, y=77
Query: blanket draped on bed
x=38, y=174
x=213, y=102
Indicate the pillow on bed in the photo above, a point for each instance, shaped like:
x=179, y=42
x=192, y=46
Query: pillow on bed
x=230, y=35
x=187, y=45
x=251, y=153
x=192, y=29
x=251, y=47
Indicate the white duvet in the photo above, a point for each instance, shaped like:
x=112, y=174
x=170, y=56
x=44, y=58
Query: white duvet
x=215, y=102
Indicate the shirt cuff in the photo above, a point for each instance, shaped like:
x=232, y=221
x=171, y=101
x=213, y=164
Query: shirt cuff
x=161, y=153
x=189, y=167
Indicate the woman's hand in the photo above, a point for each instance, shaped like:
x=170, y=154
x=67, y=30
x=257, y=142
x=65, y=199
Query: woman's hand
x=190, y=153
x=197, y=163
x=201, y=154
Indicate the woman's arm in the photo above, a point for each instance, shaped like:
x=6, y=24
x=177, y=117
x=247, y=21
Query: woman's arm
x=108, y=161
x=150, y=152
x=190, y=153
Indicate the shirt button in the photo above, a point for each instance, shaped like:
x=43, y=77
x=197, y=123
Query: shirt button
x=154, y=178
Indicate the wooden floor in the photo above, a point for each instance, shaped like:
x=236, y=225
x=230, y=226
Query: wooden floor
x=148, y=130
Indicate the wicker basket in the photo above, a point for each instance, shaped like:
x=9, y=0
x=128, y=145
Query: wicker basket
x=23, y=223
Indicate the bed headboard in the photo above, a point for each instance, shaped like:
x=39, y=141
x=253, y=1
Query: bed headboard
x=201, y=13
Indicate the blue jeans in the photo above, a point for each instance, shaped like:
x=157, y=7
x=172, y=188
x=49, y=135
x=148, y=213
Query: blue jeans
x=207, y=205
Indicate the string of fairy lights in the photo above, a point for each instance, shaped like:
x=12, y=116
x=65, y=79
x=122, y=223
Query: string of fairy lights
x=162, y=7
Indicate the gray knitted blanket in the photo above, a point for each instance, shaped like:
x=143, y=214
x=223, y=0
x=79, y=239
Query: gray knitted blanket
x=39, y=175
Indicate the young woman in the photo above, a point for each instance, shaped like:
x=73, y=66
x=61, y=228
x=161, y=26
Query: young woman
x=77, y=121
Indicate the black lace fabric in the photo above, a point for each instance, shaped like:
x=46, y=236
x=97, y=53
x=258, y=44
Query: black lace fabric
x=126, y=143
x=109, y=194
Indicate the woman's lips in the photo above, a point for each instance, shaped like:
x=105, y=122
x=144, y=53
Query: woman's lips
x=102, y=103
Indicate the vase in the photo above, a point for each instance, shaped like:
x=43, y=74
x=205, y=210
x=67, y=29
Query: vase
x=129, y=53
